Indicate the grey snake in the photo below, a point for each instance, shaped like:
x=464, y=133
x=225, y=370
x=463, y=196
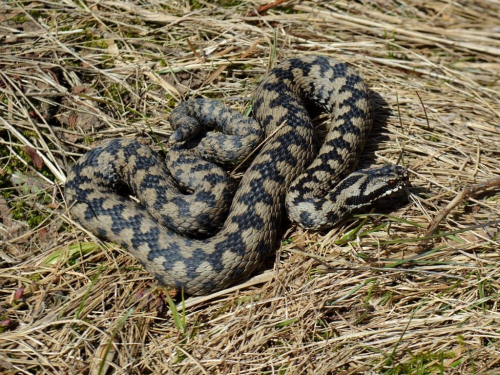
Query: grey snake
x=171, y=233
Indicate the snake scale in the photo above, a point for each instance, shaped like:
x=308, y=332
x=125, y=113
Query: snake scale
x=316, y=188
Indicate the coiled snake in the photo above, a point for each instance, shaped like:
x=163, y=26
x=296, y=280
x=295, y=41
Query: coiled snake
x=316, y=188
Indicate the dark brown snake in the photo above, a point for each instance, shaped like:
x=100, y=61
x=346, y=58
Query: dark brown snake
x=316, y=189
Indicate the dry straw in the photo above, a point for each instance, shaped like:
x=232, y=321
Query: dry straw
x=370, y=296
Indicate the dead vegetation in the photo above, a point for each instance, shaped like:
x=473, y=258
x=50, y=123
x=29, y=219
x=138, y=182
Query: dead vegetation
x=364, y=297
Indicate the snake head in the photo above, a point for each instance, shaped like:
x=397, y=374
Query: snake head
x=359, y=189
x=369, y=185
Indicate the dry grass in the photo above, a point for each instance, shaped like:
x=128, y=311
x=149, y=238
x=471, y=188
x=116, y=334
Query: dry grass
x=362, y=298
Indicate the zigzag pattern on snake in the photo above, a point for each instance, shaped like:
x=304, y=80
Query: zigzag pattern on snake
x=316, y=188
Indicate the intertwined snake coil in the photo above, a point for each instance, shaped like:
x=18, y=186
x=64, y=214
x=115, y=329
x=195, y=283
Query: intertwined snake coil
x=316, y=189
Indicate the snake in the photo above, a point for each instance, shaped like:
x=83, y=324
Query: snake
x=291, y=175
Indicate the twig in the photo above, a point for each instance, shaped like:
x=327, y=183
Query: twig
x=425, y=111
x=264, y=8
x=464, y=194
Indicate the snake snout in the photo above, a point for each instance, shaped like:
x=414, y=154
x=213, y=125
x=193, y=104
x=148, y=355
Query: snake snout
x=381, y=182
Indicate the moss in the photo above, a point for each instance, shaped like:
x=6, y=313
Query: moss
x=23, y=212
x=229, y=3
x=65, y=28
x=115, y=92
x=194, y=5
x=101, y=44
x=44, y=171
x=289, y=10
x=20, y=18
x=423, y=363
x=15, y=174
x=93, y=40
x=88, y=140
x=171, y=101
x=5, y=324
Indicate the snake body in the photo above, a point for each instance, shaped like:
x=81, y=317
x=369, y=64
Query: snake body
x=288, y=173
